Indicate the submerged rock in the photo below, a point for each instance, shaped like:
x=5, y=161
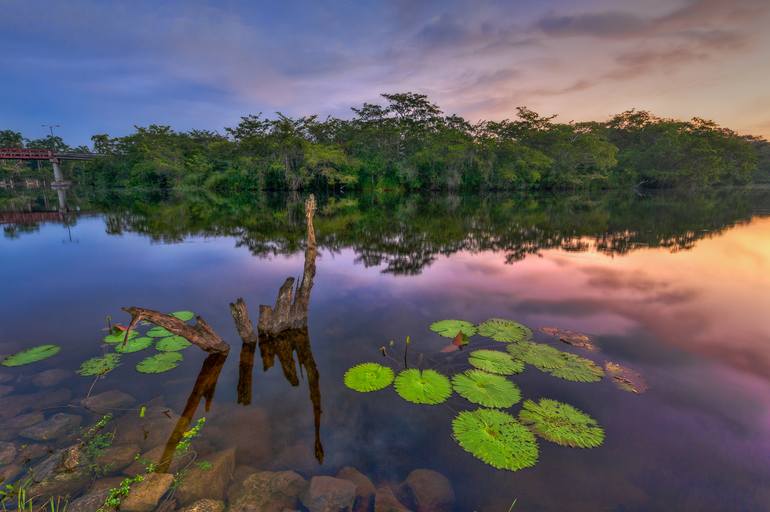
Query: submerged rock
x=269, y=491
x=108, y=401
x=91, y=502
x=145, y=495
x=10, y=472
x=58, y=475
x=7, y=452
x=329, y=494
x=430, y=490
x=116, y=458
x=206, y=505
x=364, y=487
x=154, y=456
x=208, y=482
x=58, y=425
x=14, y=405
x=386, y=501
x=49, y=378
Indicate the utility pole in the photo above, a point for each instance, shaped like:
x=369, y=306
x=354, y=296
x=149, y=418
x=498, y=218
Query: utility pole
x=51, y=127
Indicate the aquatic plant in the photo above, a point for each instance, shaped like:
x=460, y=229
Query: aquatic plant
x=99, y=365
x=573, y=338
x=159, y=363
x=423, y=386
x=450, y=328
x=159, y=332
x=172, y=344
x=577, y=369
x=31, y=355
x=494, y=361
x=183, y=315
x=561, y=423
x=500, y=329
x=486, y=389
x=625, y=378
x=133, y=345
x=542, y=356
x=366, y=377
x=117, y=336
x=496, y=438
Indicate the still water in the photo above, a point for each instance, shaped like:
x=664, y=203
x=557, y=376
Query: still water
x=674, y=286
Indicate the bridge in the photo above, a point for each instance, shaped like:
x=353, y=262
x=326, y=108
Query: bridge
x=55, y=157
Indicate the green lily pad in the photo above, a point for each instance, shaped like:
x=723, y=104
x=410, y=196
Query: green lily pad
x=99, y=365
x=500, y=329
x=539, y=355
x=31, y=355
x=561, y=423
x=450, y=328
x=172, y=344
x=366, y=377
x=486, y=389
x=159, y=363
x=133, y=345
x=496, y=438
x=159, y=332
x=423, y=387
x=119, y=336
x=183, y=315
x=494, y=361
x=577, y=369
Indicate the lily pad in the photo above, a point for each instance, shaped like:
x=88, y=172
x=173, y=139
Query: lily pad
x=159, y=332
x=625, y=378
x=500, y=329
x=539, y=355
x=561, y=423
x=172, y=344
x=496, y=438
x=577, y=369
x=366, y=377
x=573, y=338
x=31, y=355
x=450, y=328
x=183, y=315
x=486, y=389
x=119, y=336
x=494, y=361
x=423, y=387
x=99, y=365
x=159, y=363
x=133, y=345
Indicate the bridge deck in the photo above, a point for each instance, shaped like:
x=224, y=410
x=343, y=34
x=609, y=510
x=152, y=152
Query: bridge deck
x=41, y=154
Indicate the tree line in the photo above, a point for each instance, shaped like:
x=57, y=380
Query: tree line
x=407, y=143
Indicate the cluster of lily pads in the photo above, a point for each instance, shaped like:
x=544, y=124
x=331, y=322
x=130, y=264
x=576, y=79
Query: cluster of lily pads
x=490, y=434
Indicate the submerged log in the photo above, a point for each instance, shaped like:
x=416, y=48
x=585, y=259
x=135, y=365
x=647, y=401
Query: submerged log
x=200, y=334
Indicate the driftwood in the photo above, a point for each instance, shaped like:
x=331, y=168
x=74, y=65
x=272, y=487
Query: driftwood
x=200, y=334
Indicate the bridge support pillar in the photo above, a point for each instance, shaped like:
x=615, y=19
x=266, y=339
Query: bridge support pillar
x=58, y=176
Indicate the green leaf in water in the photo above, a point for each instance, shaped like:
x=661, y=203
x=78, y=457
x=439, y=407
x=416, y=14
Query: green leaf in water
x=31, y=355
x=159, y=363
x=486, y=389
x=99, y=365
x=450, y=328
x=494, y=361
x=159, y=332
x=496, y=438
x=119, y=336
x=366, y=377
x=561, y=423
x=183, y=315
x=172, y=344
x=423, y=387
x=577, y=369
x=505, y=330
x=133, y=345
x=539, y=355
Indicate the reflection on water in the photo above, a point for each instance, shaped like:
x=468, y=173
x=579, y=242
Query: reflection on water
x=671, y=285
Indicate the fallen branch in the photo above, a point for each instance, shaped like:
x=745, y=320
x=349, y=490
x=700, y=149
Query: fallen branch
x=200, y=334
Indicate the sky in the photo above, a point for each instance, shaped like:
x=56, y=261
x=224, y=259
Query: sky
x=98, y=66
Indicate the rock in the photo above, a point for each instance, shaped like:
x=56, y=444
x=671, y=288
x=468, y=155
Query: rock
x=10, y=428
x=212, y=482
x=206, y=505
x=90, y=502
x=49, y=378
x=116, y=458
x=103, y=485
x=108, y=401
x=386, y=501
x=58, y=425
x=7, y=452
x=32, y=451
x=145, y=495
x=364, y=487
x=152, y=430
x=9, y=473
x=269, y=491
x=13, y=405
x=59, y=484
x=431, y=491
x=329, y=494
x=6, y=390
x=154, y=456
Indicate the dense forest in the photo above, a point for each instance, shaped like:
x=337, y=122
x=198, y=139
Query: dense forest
x=408, y=143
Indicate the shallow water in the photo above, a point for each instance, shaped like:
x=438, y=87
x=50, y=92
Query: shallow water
x=674, y=286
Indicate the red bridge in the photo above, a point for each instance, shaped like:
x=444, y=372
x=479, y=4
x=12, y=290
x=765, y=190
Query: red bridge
x=41, y=154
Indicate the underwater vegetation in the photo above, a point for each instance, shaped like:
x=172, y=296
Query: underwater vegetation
x=31, y=355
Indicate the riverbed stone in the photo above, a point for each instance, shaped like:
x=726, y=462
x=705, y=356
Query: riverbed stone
x=91, y=502
x=430, y=490
x=145, y=495
x=7, y=452
x=329, y=494
x=199, y=483
x=10, y=472
x=50, y=378
x=386, y=501
x=364, y=487
x=205, y=505
x=154, y=456
x=117, y=458
x=108, y=401
x=154, y=429
x=58, y=425
x=10, y=428
x=269, y=491
x=14, y=405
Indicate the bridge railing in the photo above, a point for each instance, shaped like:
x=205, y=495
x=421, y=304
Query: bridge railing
x=41, y=154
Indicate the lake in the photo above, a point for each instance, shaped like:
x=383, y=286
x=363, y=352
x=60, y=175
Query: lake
x=671, y=286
